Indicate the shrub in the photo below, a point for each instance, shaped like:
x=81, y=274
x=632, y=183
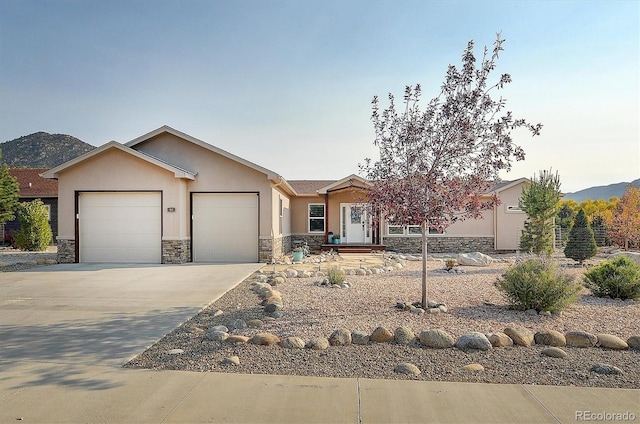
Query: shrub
x=449, y=264
x=539, y=284
x=616, y=278
x=35, y=232
x=335, y=276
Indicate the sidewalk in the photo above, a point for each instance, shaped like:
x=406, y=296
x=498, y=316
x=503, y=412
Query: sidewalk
x=64, y=393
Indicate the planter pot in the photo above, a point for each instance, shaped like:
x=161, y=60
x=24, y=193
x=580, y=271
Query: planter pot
x=298, y=256
x=336, y=241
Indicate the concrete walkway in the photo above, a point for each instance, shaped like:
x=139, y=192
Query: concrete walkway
x=65, y=331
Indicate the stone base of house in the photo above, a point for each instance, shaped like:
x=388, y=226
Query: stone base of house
x=441, y=244
x=273, y=248
x=66, y=251
x=176, y=251
x=314, y=242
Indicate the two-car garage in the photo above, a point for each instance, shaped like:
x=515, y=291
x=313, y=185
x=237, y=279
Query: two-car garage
x=126, y=227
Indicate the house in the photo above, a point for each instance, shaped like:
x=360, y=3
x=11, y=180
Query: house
x=168, y=197
x=31, y=186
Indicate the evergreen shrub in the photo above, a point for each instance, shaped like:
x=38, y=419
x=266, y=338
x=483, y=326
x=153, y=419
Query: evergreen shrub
x=537, y=283
x=34, y=233
x=616, y=278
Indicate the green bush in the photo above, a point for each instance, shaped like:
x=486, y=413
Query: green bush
x=581, y=244
x=35, y=232
x=538, y=284
x=335, y=276
x=616, y=278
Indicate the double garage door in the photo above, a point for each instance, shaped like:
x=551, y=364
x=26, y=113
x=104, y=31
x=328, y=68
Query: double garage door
x=126, y=227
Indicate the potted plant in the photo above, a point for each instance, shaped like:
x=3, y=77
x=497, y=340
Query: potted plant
x=298, y=254
x=330, y=238
x=336, y=239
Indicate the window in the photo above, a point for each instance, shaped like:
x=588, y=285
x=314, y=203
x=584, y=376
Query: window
x=513, y=209
x=415, y=230
x=281, y=214
x=396, y=230
x=48, y=208
x=316, y=218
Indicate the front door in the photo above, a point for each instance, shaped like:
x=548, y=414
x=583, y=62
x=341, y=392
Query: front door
x=354, y=223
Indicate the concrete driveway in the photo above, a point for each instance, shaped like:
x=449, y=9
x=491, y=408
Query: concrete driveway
x=97, y=314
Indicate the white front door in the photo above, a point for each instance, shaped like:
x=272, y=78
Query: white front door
x=354, y=223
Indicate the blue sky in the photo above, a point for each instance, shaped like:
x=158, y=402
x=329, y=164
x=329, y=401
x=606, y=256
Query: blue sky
x=288, y=84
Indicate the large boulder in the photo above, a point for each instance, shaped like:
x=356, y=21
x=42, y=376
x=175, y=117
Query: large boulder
x=340, y=337
x=404, y=335
x=473, y=340
x=293, y=342
x=264, y=339
x=474, y=259
x=381, y=335
x=521, y=336
x=318, y=343
x=550, y=338
x=580, y=339
x=407, y=368
x=437, y=339
x=499, y=339
x=609, y=341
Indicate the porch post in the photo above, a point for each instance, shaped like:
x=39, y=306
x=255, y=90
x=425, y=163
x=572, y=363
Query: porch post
x=326, y=217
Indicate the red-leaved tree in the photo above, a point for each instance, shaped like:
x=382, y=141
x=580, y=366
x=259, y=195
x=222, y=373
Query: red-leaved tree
x=435, y=164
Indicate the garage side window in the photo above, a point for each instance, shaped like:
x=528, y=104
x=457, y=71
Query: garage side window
x=316, y=218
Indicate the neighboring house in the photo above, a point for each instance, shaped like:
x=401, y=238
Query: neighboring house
x=167, y=197
x=32, y=186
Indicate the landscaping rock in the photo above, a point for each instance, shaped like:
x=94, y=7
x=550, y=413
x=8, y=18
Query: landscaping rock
x=550, y=338
x=293, y=343
x=236, y=338
x=340, y=337
x=407, y=368
x=381, y=335
x=417, y=311
x=238, y=324
x=521, y=336
x=609, y=341
x=580, y=339
x=554, y=352
x=403, y=335
x=473, y=367
x=634, y=342
x=437, y=339
x=359, y=338
x=499, y=339
x=443, y=308
x=217, y=313
x=254, y=323
x=473, y=340
x=474, y=259
x=292, y=273
x=264, y=339
x=218, y=328
x=217, y=336
x=317, y=343
x=607, y=369
x=231, y=360
x=175, y=351
x=272, y=307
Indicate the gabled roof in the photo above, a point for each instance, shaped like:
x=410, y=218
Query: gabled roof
x=504, y=185
x=167, y=129
x=177, y=171
x=352, y=179
x=309, y=187
x=32, y=185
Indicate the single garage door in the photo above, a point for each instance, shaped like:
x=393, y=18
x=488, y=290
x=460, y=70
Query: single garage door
x=225, y=227
x=120, y=227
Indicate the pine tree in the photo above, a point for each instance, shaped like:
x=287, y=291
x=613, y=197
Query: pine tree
x=539, y=201
x=581, y=244
x=8, y=193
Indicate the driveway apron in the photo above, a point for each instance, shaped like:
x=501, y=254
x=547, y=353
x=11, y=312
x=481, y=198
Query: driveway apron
x=97, y=314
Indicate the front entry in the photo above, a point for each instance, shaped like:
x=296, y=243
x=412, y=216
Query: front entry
x=355, y=224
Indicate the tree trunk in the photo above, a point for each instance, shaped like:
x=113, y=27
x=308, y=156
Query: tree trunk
x=424, y=264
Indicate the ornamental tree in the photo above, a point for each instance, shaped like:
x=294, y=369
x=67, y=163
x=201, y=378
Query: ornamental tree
x=624, y=225
x=581, y=244
x=438, y=162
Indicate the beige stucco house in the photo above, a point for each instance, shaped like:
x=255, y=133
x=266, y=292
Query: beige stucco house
x=167, y=197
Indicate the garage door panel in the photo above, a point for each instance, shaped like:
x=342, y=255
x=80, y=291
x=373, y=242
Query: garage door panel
x=120, y=227
x=225, y=227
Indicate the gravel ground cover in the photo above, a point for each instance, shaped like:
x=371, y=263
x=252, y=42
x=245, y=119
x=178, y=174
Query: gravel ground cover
x=474, y=304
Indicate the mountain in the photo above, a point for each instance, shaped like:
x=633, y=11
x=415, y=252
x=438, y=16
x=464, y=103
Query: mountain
x=600, y=192
x=42, y=150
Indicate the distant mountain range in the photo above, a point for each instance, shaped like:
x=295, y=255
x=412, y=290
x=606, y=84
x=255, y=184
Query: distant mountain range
x=42, y=150
x=600, y=192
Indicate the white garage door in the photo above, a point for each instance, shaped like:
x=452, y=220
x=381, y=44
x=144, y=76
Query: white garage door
x=225, y=227
x=120, y=227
